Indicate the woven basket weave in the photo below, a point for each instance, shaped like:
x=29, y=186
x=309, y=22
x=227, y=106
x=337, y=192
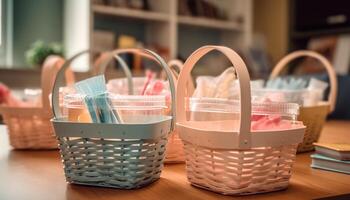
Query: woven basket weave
x=30, y=127
x=124, y=156
x=231, y=162
x=112, y=163
x=240, y=171
x=175, y=152
x=313, y=117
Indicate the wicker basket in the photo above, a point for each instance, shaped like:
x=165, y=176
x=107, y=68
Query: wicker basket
x=313, y=117
x=174, y=152
x=30, y=127
x=231, y=162
x=124, y=156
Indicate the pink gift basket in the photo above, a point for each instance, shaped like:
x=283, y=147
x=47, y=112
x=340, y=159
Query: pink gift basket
x=29, y=126
x=174, y=149
x=236, y=147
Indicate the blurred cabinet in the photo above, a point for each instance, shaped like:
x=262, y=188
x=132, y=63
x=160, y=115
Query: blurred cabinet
x=159, y=25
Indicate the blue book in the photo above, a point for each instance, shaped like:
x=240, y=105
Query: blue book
x=331, y=164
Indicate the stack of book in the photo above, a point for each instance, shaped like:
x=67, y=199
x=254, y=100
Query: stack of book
x=332, y=157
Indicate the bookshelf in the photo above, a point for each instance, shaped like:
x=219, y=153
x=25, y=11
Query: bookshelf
x=130, y=13
x=209, y=23
x=161, y=26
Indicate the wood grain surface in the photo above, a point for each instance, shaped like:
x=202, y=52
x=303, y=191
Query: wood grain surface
x=39, y=175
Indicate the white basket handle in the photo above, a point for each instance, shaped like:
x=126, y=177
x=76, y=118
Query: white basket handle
x=50, y=68
x=244, y=82
x=144, y=52
x=330, y=70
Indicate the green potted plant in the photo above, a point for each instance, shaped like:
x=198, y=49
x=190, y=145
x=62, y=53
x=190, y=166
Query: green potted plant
x=39, y=50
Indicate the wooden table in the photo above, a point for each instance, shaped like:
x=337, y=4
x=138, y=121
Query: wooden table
x=39, y=175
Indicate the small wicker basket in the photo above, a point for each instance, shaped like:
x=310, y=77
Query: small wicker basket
x=174, y=151
x=228, y=161
x=30, y=127
x=313, y=117
x=124, y=156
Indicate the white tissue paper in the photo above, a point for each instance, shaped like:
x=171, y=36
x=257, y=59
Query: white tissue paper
x=224, y=86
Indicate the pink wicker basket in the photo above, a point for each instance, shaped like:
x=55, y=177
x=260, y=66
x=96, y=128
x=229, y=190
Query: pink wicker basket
x=174, y=149
x=228, y=161
x=30, y=127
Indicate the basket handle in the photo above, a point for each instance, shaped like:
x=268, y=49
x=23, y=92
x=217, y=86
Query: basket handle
x=102, y=62
x=176, y=67
x=244, y=82
x=144, y=52
x=330, y=70
x=50, y=68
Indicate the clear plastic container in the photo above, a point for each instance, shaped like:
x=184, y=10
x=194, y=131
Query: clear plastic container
x=303, y=97
x=265, y=115
x=120, y=85
x=281, y=95
x=129, y=107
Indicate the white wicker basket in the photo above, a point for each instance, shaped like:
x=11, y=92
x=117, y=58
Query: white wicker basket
x=133, y=85
x=228, y=161
x=124, y=156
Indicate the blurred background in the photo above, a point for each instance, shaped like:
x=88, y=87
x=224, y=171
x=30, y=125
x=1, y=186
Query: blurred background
x=262, y=31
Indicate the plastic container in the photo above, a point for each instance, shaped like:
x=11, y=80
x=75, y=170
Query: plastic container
x=128, y=107
x=300, y=97
x=126, y=156
x=303, y=97
x=120, y=86
x=214, y=109
x=226, y=155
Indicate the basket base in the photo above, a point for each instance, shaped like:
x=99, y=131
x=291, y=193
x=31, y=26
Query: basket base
x=304, y=149
x=313, y=118
x=250, y=190
x=137, y=186
x=174, y=150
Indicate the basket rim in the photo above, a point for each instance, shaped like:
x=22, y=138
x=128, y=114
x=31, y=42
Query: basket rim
x=230, y=139
x=151, y=130
x=25, y=111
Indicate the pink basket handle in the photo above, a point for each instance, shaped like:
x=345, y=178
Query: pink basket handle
x=330, y=70
x=176, y=67
x=50, y=68
x=145, y=52
x=244, y=82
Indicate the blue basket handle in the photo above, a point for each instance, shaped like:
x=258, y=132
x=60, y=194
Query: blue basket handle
x=144, y=52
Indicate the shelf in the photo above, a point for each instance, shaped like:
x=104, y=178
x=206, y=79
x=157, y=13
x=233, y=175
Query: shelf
x=130, y=13
x=209, y=23
x=316, y=33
